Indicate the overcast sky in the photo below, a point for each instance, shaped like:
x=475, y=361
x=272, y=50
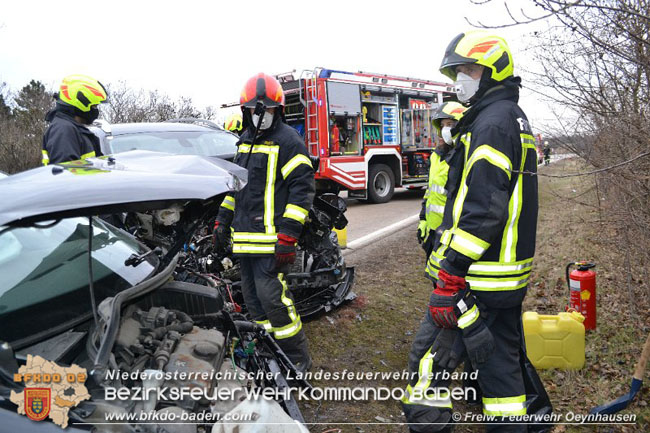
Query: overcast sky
x=207, y=50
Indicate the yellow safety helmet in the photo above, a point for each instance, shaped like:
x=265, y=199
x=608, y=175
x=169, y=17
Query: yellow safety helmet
x=448, y=110
x=481, y=48
x=233, y=123
x=82, y=92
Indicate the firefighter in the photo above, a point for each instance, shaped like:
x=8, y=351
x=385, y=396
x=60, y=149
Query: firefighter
x=234, y=124
x=77, y=105
x=433, y=203
x=547, y=153
x=268, y=214
x=335, y=136
x=481, y=264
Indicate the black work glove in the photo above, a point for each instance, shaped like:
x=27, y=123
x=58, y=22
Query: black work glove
x=220, y=237
x=447, y=348
x=479, y=342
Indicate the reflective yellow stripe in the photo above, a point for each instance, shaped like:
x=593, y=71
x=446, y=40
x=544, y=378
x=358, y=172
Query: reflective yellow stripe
x=498, y=284
x=508, y=251
x=269, y=191
x=505, y=406
x=488, y=276
x=469, y=317
x=88, y=155
x=491, y=155
x=46, y=157
x=266, y=324
x=293, y=163
x=296, y=324
x=254, y=237
x=295, y=212
x=258, y=148
x=468, y=244
x=420, y=393
x=248, y=248
x=229, y=202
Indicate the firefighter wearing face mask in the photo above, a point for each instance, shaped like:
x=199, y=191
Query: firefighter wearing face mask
x=268, y=214
x=433, y=203
x=481, y=264
x=67, y=138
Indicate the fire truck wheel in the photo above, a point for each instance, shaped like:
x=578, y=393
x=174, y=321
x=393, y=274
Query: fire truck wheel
x=381, y=184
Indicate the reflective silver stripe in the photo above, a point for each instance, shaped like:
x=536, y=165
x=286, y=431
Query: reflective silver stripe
x=499, y=269
x=254, y=237
x=466, y=243
x=433, y=208
x=252, y=249
x=497, y=284
x=437, y=189
x=468, y=318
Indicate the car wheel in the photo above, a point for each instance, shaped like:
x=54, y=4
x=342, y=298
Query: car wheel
x=381, y=183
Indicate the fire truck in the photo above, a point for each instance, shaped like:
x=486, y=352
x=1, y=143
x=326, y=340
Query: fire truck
x=372, y=132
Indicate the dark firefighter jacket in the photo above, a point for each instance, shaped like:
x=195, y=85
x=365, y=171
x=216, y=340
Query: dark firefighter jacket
x=490, y=220
x=66, y=140
x=278, y=195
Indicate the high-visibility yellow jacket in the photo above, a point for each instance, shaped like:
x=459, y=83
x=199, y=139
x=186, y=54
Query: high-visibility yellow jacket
x=435, y=197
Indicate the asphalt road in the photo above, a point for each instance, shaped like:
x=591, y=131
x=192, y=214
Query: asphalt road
x=365, y=219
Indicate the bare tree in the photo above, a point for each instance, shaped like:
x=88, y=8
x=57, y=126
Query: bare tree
x=595, y=62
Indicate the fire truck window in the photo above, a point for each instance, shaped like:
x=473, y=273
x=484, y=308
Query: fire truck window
x=344, y=134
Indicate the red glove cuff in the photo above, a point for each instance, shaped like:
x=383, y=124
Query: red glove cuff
x=216, y=224
x=449, y=284
x=287, y=240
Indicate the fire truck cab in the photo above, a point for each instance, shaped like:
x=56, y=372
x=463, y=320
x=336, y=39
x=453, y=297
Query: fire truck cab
x=372, y=132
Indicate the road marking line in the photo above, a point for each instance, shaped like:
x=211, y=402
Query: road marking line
x=386, y=231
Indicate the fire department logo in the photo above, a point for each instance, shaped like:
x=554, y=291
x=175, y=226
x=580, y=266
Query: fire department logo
x=50, y=390
x=37, y=403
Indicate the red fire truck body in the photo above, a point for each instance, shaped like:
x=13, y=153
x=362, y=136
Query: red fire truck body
x=372, y=132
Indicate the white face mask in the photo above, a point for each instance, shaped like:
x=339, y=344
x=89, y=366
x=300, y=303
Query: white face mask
x=267, y=120
x=446, y=135
x=466, y=86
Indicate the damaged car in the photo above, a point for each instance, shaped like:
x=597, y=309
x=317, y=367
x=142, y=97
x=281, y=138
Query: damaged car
x=75, y=289
x=320, y=280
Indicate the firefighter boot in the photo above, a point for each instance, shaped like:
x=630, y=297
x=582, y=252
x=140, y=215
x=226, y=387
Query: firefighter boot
x=427, y=419
x=297, y=349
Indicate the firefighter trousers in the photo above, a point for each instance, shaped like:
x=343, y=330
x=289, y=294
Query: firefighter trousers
x=428, y=407
x=271, y=304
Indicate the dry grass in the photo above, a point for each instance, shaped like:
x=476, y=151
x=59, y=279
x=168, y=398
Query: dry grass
x=375, y=332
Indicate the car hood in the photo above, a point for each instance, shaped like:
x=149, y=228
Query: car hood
x=131, y=181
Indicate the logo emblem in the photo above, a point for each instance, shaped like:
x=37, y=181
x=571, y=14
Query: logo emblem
x=37, y=403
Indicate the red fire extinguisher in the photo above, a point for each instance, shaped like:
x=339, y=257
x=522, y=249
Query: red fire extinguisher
x=582, y=291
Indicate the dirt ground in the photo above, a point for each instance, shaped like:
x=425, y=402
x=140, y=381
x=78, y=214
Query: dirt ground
x=374, y=333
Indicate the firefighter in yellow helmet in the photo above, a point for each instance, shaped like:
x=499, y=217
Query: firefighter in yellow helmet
x=433, y=203
x=481, y=264
x=67, y=138
x=234, y=124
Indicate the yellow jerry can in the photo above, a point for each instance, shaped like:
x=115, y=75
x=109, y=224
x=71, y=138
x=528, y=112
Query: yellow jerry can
x=343, y=237
x=555, y=341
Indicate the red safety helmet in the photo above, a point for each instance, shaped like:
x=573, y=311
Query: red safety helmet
x=263, y=88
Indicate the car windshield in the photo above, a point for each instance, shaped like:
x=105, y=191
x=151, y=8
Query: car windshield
x=44, y=275
x=203, y=143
